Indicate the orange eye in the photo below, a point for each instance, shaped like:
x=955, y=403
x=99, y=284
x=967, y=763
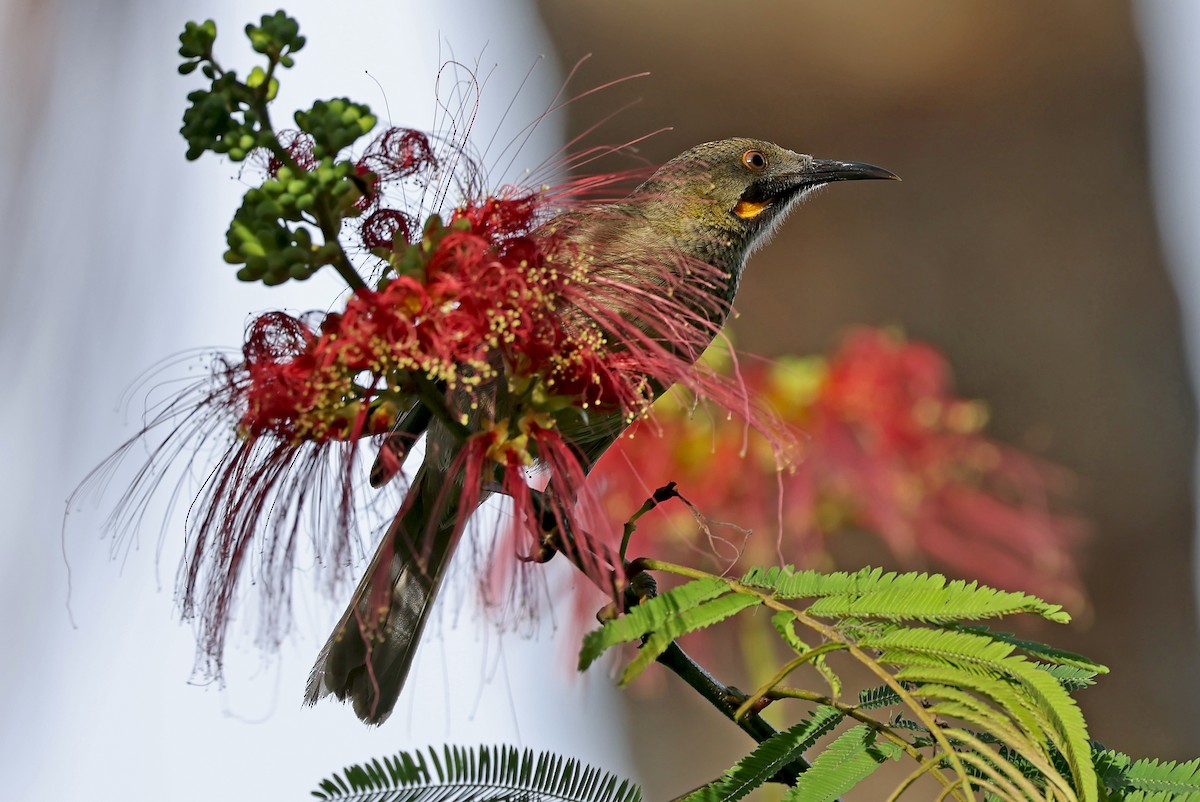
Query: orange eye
x=754, y=160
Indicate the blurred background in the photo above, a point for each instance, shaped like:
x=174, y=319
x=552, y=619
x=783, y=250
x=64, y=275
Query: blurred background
x=1023, y=243
x=1044, y=238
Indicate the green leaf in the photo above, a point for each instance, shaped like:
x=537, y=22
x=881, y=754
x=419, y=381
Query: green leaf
x=1008, y=719
x=771, y=755
x=953, y=701
x=1041, y=651
x=846, y=762
x=649, y=616
x=1163, y=780
x=699, y=617
x=871, y=593
x=463, y=774
x=1032, y=697
x=1111, y=767
x=1072, y=678
x=785, y=624
x=1066, y=720
x=788, y=583
x=925, y=646
x=879, y=696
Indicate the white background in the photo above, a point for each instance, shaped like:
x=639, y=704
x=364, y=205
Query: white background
x=111, y=262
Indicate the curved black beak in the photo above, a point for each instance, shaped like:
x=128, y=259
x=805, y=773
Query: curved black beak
x=825, y=171
x=810, y=174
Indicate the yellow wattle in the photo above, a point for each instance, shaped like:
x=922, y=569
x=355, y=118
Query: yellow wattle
x=747, y=209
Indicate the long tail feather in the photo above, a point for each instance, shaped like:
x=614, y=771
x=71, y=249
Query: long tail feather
x=369, y=654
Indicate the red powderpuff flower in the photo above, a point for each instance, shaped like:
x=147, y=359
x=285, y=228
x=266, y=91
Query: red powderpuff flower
x=299, y=146
x=890, y=391
x=261, y=489
x=399, y=153
x=888, y=450
x=532, y=344
x=382, y=227
x=395, y=155
x=278, y=366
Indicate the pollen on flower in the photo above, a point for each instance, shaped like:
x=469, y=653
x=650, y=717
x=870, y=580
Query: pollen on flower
x=500, y=316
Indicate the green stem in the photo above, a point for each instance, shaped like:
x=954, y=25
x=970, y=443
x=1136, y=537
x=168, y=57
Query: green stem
x=329, y=223
x=331, y=229
x=926, y=764
x=780, y=675
x=647, y=564
x=918, y=710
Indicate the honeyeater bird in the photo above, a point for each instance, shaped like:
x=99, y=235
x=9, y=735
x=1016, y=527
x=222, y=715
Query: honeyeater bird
x=712, y=205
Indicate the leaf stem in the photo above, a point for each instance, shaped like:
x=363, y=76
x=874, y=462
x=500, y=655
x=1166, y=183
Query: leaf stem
x=331, y=229
x=883, y=729
x=725, y=698
x=667, y=491
x=872, y=665
x=788, y=668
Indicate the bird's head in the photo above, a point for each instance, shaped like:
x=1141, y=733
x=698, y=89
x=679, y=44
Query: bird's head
x=720, y=200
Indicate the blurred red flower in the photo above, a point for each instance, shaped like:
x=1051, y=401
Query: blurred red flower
x=887, y=449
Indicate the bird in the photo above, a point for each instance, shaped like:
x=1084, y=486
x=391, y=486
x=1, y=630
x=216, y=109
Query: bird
x=714, y=204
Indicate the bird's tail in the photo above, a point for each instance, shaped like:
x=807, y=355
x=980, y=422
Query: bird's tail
x=368, y=656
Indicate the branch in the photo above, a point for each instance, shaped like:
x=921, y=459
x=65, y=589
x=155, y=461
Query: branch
x=725, y=698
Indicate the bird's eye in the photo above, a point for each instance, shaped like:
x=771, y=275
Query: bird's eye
x=754, y=160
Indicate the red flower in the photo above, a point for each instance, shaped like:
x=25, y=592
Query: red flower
x=398, y=153
x=299, y=146
x=527, y=341
x=382, y=227
x=888, y=450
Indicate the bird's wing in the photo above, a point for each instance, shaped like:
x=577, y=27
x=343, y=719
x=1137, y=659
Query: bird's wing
x=410, y=425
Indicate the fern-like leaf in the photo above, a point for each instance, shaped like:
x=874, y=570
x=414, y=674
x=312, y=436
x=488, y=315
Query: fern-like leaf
x=1043, y=652
x=771, y=755
x=1162, y=781
x=878, y=696
x=690, y=620
x=1110, y=767
x=1072, y=678
x=485, y=774
x=846, y=762
x=871, y=593
x=1033, y=699
x=1128, y=780
x=650, y=616
x=785, y=624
